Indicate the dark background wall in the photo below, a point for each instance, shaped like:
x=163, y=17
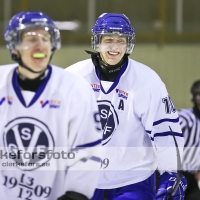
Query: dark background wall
x=147, y=16
x=137, y=10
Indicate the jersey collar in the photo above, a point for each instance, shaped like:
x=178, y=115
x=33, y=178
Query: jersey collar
x=115, y=83
x=37, y=93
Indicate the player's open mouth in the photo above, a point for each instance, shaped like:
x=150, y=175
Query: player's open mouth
x=113, y=53
x=39, y=55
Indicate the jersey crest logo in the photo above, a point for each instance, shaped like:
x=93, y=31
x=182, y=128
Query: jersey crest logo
x=109, y=120
x=26, y=140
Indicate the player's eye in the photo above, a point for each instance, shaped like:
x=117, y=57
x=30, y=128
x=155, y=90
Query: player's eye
x=46, y=39
x=109, y=40
x=121, y=41
x=30, y=39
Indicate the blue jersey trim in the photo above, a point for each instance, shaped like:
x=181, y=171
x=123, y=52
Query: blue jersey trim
x=149, y=132
x=38, y=92
x=91, y=144
x=166, y=120
x=107, y=141
x=2, y=100
x=167, y=134
x=116, y=80
x=94, y=158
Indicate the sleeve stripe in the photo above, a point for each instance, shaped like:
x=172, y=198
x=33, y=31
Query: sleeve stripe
x=149, y=132
x=164, y=134
x=152, y=139
x=165, y=120
x=94, y=158
x=91, y=144
x=167, y=134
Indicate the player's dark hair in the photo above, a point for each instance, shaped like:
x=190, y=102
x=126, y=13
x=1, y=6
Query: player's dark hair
x=195, y=89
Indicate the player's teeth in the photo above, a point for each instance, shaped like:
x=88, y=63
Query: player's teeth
x=114, y=53
x=38, y=55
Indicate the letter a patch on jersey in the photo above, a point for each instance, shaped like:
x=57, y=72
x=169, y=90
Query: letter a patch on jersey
x=121, y=105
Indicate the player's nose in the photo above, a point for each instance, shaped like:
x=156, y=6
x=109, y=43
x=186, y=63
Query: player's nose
x=40, y=43
x=114, y=45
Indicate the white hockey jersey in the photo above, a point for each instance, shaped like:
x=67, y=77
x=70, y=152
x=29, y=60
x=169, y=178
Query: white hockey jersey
x=136, y=112
x=49, y=138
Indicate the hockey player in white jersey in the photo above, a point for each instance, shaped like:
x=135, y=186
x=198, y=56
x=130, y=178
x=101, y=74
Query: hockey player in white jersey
x=49, y=126
x=136, y=114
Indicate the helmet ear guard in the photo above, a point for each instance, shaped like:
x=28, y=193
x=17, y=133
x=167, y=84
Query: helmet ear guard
x=112, y=23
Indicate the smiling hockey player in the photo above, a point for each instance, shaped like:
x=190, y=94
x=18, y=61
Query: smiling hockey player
x=136, y=114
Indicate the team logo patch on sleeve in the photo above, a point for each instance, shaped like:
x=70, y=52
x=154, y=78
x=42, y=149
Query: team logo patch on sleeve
x=122, y=94
x=9, y=99
x=95, y=87
x=51, y=103
x=109, y=120
x=26, y=140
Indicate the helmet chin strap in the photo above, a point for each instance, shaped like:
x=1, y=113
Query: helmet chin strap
x=107, y=72
x=106, y=68
x=20, y=62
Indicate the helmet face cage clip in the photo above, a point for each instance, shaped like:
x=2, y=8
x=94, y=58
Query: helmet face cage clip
x=112, y=24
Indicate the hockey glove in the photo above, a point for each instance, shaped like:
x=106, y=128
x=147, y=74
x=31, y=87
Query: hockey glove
x=167, y=181
x=73, y=196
